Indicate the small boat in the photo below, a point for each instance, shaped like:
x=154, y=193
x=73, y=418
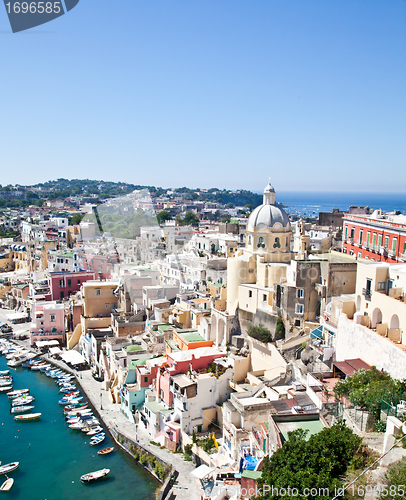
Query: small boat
x=106, y=451
x=44, y=368
x=79, y=424
x=21, y=409
x=6, y=388
x=5, y=469
x=66, y=401
x=4, y=372
x=69, y=390
x=16, y=394
x=28, y=417
x=97, y=440
x=24, y=400
x=7, y=485
x=94, y=476
x=6, y=381
x=89, y=428
x=95, y=431
x=72, y=408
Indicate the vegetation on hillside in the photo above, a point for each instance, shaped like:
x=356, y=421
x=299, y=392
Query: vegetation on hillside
x=260, y=333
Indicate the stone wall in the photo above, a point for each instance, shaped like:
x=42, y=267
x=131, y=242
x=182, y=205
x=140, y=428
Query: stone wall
x=357, y=341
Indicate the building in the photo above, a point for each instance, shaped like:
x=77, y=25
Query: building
x=48, y=320
x=64, y=284
x=378, y=237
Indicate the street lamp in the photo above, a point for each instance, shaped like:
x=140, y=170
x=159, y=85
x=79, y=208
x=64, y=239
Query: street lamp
x=136, y=428
x=101, y=401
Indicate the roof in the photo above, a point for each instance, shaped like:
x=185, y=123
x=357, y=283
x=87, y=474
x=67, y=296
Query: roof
x=165, y=327
x=350, y=366
x=133, y=348
x=252, y=474
x=202, y=471
x=268, y=215
x=172, y=345
x=192, y=336
x=313, y=426
x=182, y=380
x=137, y=362
x=157, y=407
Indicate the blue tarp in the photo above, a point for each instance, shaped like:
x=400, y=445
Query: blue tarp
x=250, y=463
x=317, y=333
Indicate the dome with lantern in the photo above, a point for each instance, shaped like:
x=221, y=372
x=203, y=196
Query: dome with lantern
x=268, y=215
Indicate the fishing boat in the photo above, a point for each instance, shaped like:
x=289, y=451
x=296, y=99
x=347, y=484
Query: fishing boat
x=106, y=451
x=5, y=469
x=7, y=485
x=17, y=394
x=97, y=440
x=6, y=388
x=24, y=400
x=94, y=476
x=95, y=431
x=28, y=417
x=75, y=407
x=66, y=401
x=21, y=409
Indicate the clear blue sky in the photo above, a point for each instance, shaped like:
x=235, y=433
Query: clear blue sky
x=209, y=93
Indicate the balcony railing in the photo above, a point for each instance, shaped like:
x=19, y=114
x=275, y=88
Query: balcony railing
x=367, y=293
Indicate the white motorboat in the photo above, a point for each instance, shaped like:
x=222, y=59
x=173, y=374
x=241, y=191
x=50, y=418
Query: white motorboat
x=24, y=400
x=6, y=388
x=6, y=469
x=3, y=373
x=97, y=440
x=94, y=476
x=21, y=409
x=95, y=431
x=17, y=394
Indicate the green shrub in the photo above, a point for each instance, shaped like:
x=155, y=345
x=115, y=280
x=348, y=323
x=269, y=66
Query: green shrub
x=260, y=333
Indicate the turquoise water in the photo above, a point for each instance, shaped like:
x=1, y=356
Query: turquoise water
x=53, y=457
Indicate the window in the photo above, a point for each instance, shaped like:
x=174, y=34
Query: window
x=78, y=282
x=394, y=244
x=300, y=293
x=379, y=240
x=386, y=242
x=61, y=283
x=381, y=285
x=368, y=238
x=249, y=240
x=69, y=282
x=264, y=297
x=261, y=242
x=352, y=233
x=250, y=293
x=361, y=235
x=145, y=380
x=107, y=306
x=346, y=233
x=277, y=243
x=299, y=308
x=374, y=240
x=98, y=291
x=66, y=261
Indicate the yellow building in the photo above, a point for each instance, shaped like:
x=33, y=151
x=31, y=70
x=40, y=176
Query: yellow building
x=99, y=298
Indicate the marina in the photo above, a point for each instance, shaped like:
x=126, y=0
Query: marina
x=53, y=457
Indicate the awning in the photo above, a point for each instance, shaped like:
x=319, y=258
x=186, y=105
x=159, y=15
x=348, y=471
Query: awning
x=73, y=357
x=317, y=333
x=203, y=471
x=16, y=316
x=54, y=350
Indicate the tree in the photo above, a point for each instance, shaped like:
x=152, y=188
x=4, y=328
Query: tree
x=365, y=389
x=162, y=216
x=190, y=219
x=395, y=481
x=280, y=329
x=75, y=219
x=316, y=463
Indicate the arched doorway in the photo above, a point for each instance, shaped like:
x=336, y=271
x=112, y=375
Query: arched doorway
x=376, y=317
x=394, y=321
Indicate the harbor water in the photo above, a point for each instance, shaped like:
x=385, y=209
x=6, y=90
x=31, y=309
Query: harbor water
x=53, y=457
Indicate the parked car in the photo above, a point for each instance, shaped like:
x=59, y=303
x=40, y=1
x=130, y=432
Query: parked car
x=6, y=328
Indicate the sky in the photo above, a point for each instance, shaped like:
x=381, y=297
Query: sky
x=209, y=93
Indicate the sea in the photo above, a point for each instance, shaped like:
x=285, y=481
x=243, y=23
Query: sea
x=306, y=203
x=53, y=457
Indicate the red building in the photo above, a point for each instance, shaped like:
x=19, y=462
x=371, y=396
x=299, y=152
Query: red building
x=64, y=284
x=378, y=237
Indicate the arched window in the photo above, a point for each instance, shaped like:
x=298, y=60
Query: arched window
x=261, y=242
x=249, y=240
x=277, y=243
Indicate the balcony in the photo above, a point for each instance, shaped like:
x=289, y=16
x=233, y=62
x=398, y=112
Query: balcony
x=367, y=293
x=351, y=241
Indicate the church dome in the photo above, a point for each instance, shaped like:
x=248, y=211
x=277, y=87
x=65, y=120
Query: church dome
x=268, y=216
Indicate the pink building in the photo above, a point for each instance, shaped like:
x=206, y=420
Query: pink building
x=49, y=322
x=101, y=265
x=64, y=284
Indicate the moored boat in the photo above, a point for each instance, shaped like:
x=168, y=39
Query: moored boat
x=21, y=409
x=28, y=417
x=66, y=401
x=75, y=407
x=95, y=431
x=6, y=469
x=24, y=400
x=97, y=440
x=6, y=388
x=94, y=476
x=18, y=393
x=4, y=372
x=7, y=485
x=106, y=451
